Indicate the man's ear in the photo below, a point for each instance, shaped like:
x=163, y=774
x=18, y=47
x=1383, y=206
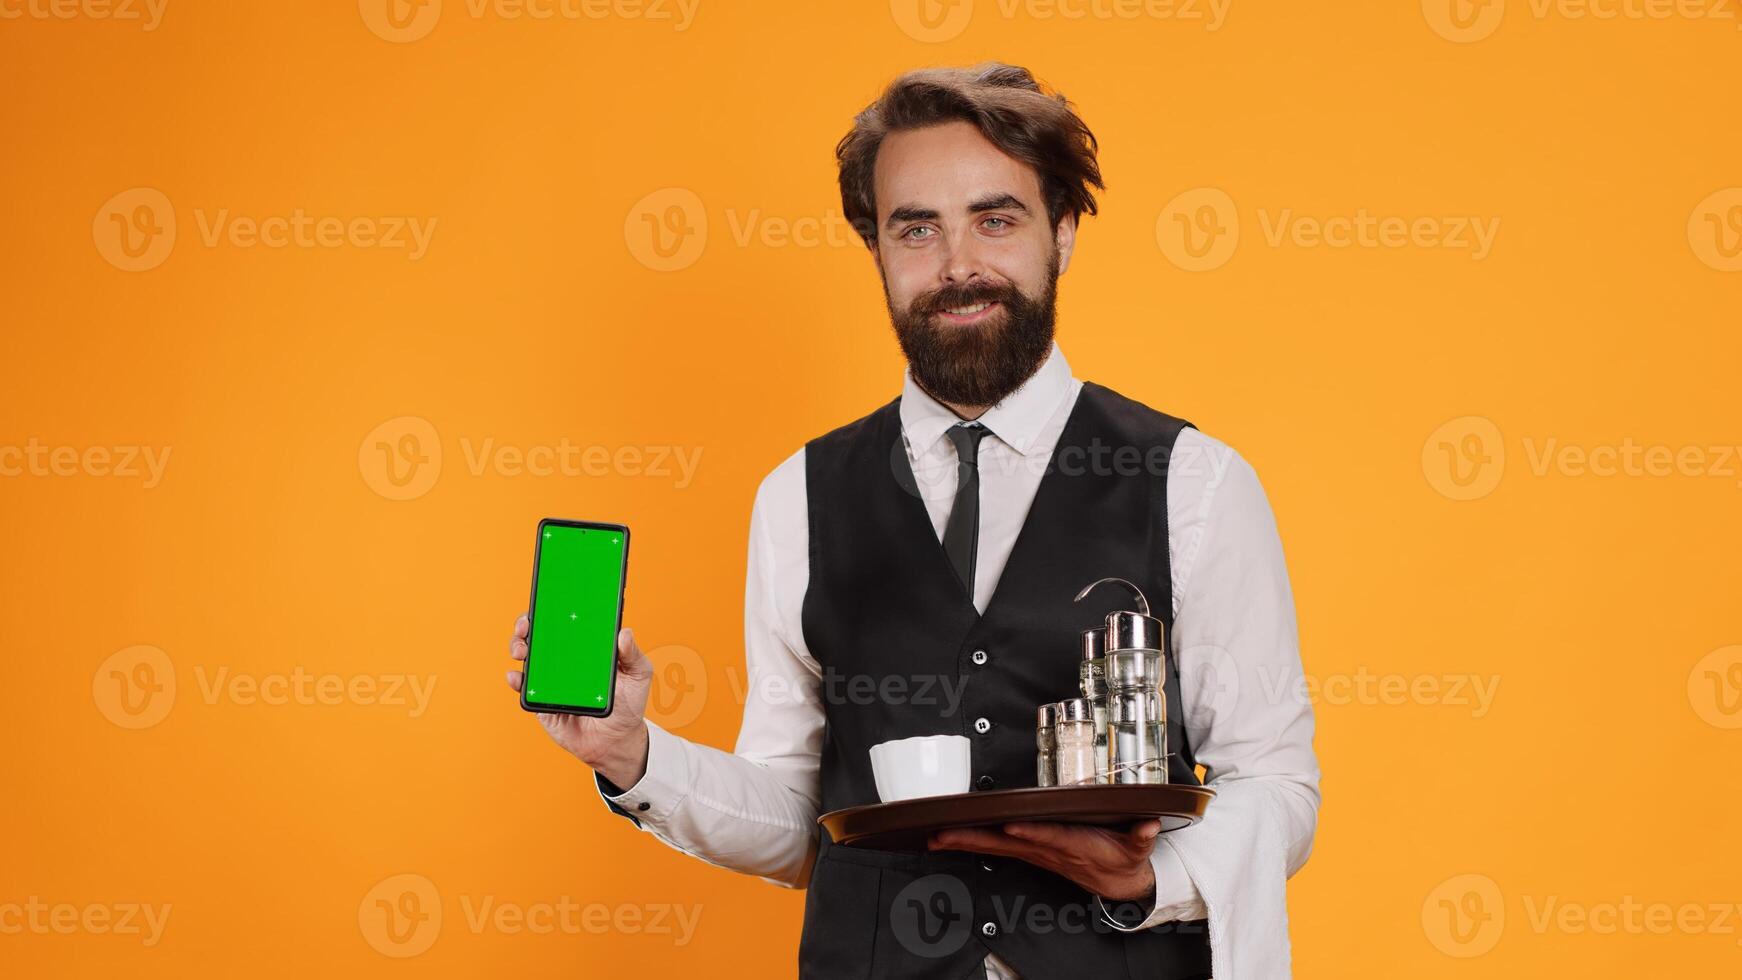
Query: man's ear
x=1066, y=238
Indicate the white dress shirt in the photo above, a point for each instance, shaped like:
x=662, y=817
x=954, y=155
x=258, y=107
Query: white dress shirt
x=1234, y=639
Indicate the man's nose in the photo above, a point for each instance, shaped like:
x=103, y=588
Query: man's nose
x=962, y=261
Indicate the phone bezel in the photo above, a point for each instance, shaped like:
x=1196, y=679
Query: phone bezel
x=532, y=618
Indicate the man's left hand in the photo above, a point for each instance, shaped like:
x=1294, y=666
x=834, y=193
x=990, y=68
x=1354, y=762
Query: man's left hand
x=1107, y=863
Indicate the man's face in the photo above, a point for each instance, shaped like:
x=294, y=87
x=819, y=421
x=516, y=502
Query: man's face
x=969, y=261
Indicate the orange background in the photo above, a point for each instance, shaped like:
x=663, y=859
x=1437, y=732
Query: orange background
x=1605, y=769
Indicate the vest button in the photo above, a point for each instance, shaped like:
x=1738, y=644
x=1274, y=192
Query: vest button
x=984, y=782
x=980, y=658
x=982, y=725
x=989, y=929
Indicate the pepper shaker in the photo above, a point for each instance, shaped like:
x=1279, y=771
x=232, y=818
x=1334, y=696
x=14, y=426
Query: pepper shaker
x=1045, y=741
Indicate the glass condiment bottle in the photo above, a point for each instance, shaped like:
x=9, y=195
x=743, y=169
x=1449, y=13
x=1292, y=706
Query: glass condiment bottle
x=1134, y=674
x=1046, y=745
x=1092, y=679
x=1075, y=740
x=1136, y=718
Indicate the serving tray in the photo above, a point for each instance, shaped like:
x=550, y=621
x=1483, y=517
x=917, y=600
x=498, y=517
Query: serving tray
x=905, y=825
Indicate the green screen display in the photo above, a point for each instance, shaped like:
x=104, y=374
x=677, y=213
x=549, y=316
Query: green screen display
x=573, y=647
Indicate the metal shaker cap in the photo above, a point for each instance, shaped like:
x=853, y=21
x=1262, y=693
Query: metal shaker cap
x=1094, y=643
x=1076, y=709
x=1047, y=716
x=1127, y=630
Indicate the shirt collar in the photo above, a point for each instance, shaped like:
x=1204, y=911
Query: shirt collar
x=1016, y=421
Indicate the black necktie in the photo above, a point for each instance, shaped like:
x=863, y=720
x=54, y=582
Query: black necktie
x=962, y=532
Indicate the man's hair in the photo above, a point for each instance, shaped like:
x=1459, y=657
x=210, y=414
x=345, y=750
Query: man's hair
x=1010, y=109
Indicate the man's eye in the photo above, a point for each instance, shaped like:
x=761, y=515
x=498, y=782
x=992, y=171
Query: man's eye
x=1001, y=222
x=914, y=231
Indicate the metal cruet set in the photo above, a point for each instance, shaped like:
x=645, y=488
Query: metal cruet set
x=1116, y=732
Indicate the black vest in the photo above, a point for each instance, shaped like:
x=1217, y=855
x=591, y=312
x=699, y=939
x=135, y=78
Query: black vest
x=897, y=638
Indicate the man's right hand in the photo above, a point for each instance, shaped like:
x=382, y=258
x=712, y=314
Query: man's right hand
x=616, y=745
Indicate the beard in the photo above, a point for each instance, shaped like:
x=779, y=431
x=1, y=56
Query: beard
x=978, y=364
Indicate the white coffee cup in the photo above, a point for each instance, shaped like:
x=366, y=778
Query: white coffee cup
x=925, y=765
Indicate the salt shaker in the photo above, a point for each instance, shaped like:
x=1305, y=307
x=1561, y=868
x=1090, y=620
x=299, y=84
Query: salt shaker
x=1136, y=746
x=1045, y=741
x=1077, y=763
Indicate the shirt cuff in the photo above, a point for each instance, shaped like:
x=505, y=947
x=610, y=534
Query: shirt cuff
x=660, y=789
x=1176, y=895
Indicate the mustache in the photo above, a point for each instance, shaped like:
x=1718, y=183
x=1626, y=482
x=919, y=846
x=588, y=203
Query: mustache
x=952, y=296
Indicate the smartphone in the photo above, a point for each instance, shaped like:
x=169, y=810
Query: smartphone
x=579, y=572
